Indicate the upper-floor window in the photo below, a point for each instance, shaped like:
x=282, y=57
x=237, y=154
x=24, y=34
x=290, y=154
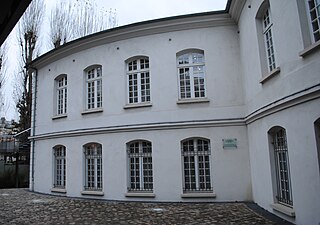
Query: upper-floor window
x=93, y=87
x=195, y=154
x=191, y=74
x=93, y=167
x=314, y=12
x=61, y=94
x=138, y=80
x=140, y=166
x=59, y=166
x=268, y=39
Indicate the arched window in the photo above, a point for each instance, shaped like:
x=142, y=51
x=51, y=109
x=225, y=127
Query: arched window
x=280, y=166
x=317, y=134
x=268, y=39
x=59, y=153
x=93, y=77
x=93, y=167
x=195, y=154
x=314, y=18
x=61, y=94
x=267, y=48
x=140, y=166
x=138, y=80
x=191, y=74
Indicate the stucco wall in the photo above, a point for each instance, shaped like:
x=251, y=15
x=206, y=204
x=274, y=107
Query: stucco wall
x=230, y=169
x=221, y=51
x=273, y=103
x=241, y=105
x=299, y=124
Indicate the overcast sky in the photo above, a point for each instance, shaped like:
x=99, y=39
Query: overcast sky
x=132, y=11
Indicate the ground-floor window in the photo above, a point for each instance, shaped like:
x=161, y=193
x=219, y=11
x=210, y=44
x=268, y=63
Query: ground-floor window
x=196, y=165
x=140, y=166
x=317, y=133
x=59, y=166
x=281, y=166
x=93, y=167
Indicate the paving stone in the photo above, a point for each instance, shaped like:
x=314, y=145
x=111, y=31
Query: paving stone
x=20, y=206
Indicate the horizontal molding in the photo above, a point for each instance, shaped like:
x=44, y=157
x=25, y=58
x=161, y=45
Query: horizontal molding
x=137, y=105
x=310, y=49
x=284, y=209
x=283, y=103
x=89, y=111
x=193, y=100
x=95, y=193
x=199, y=195
x=144, y=127
x=288, y=101
x=270, y=75
x=59, y=116
x=140, y=195
x=59, y=190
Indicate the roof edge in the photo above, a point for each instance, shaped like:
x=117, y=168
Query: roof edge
x=167, y=24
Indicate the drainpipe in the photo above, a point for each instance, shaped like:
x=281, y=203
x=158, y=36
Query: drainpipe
x=33, y=129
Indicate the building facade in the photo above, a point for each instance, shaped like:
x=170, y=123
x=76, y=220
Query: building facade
x=218, y=106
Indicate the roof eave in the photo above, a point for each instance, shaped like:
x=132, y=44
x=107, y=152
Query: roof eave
x=170, y=24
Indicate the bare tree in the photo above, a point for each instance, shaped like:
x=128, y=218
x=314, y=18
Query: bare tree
x=72, y=20
x=61, y=23
x=3, y=60
x=28, y=36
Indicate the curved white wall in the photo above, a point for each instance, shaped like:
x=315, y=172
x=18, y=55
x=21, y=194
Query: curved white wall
x=241, y=104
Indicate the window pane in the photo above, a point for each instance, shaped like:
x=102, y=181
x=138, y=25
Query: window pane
x=94, y=88
x=139, y=81
x=282, y=167
x=191, y=75
x=140, y=166
x=196, y=165
x=93, y=159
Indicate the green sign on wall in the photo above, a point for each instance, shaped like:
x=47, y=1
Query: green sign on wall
x=229, y=143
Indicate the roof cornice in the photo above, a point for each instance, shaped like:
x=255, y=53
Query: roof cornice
x=234, y=7
x=170, y=24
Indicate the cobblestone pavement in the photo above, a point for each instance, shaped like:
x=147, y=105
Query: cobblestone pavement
x=19, y=206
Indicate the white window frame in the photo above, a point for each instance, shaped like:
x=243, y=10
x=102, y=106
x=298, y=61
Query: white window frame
x=93, y=88
x=59, y=180
x=138, y=80
x=191, y=86
x=140, y=171
x=313, y=11
x=268, y=39
x=93, y=167
x=281, y=167
x=61, y=95
x=196, y=165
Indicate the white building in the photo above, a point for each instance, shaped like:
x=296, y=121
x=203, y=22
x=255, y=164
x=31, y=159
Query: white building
x=219, y=106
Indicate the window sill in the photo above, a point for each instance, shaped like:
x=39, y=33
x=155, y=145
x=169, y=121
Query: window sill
x=193, y=100
x=310, y=49
x=140, y=195
x=59, y=190
x=198, y=195
x=284, y=209
x=270, y=75
x=89, y=111
x=59, y=116
x=96, y=193
x=137, y=105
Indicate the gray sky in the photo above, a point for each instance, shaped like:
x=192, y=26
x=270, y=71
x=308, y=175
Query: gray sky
x=129, y=11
